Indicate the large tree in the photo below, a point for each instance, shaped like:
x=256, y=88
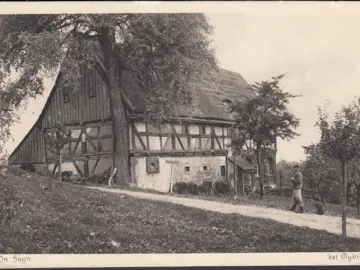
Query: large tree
x=164, y=52
x=262, y=119
x=340, y=140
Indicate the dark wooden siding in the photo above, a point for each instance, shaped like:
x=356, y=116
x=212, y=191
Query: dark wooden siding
x=88, y=104
x=31, y=149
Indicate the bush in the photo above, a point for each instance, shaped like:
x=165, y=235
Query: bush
x=28, y=168
x=206, y=188
x=180, y=188
x=192, y=188
x=65, y=176
x=221, y=187
x=247, y=190
x=16, y=170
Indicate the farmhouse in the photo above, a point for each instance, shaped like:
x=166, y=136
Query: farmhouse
x=189, y=147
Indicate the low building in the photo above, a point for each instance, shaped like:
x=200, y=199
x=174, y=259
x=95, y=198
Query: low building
x=189, y=147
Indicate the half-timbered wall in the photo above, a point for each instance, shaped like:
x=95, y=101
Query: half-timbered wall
x=88, y=151
x=181, y=138
x=177, y=152
x=74, y=108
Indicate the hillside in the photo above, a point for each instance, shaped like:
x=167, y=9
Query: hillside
x=73, y=219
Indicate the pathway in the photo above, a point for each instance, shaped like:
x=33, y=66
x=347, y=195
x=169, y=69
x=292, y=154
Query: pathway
x=328, y=223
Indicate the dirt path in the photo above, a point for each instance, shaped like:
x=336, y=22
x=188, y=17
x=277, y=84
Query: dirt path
x=328, y=223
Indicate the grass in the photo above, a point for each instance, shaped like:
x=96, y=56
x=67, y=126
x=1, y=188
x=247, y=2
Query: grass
x=73, y=219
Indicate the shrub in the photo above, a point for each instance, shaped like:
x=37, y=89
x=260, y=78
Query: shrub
x=180, y=188
x=221, y=187
x=16, y=170
x=206, y=188
x=247, y=190
x=65, y=176
x=192, y=188
x=28, y=168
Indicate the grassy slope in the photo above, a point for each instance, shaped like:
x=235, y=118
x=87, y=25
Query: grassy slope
x=73, y=219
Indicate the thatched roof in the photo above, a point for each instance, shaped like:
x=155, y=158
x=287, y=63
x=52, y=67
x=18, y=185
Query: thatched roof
x=211, y=90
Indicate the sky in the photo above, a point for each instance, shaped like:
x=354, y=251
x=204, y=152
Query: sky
x=318, y=49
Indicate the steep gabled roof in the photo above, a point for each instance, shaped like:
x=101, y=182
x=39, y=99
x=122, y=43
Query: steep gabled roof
x=211, y=90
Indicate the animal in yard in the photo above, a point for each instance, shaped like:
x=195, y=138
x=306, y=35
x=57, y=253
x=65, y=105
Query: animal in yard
x=319, y=208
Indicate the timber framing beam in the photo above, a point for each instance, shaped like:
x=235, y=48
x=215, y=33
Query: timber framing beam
x=139, y=153
x=187, y=120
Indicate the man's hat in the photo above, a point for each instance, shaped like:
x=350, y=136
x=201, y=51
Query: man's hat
x=296, y=166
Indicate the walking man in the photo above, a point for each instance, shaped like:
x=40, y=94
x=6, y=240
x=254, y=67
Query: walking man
x=296, y=199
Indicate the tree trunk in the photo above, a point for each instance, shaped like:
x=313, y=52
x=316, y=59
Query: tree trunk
x=321, y=194
x=343, y=197
x=347, y=193
x=260, y=162
x=235, y=176
x=358, y=198
x=60, y=169
x=252, y=182
x=243, y=182
x=281, y=184
x=119, y=117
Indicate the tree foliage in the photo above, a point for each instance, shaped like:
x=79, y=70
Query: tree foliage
x=322, y=173
x=165, y=54
x=262, y=119
x=339, y=138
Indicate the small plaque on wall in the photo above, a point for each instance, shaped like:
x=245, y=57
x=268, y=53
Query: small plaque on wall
x=152, y=165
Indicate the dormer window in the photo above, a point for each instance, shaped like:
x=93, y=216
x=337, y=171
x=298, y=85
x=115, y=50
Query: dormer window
x=228, y=104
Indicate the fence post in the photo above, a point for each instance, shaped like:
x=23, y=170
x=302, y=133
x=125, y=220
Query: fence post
x=281, y=184
x=343, y=197
x=235, y=176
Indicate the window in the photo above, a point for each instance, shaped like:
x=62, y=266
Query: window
x=205, y=168
x=222, y=170
x=267, y=166
x=187, y=169
x=256, y=169
x=152, y=165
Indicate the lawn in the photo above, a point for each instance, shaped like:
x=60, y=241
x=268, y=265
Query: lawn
x=73, y=219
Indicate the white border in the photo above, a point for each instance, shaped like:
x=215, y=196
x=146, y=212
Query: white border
x=175, y=260
x=208, y=259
